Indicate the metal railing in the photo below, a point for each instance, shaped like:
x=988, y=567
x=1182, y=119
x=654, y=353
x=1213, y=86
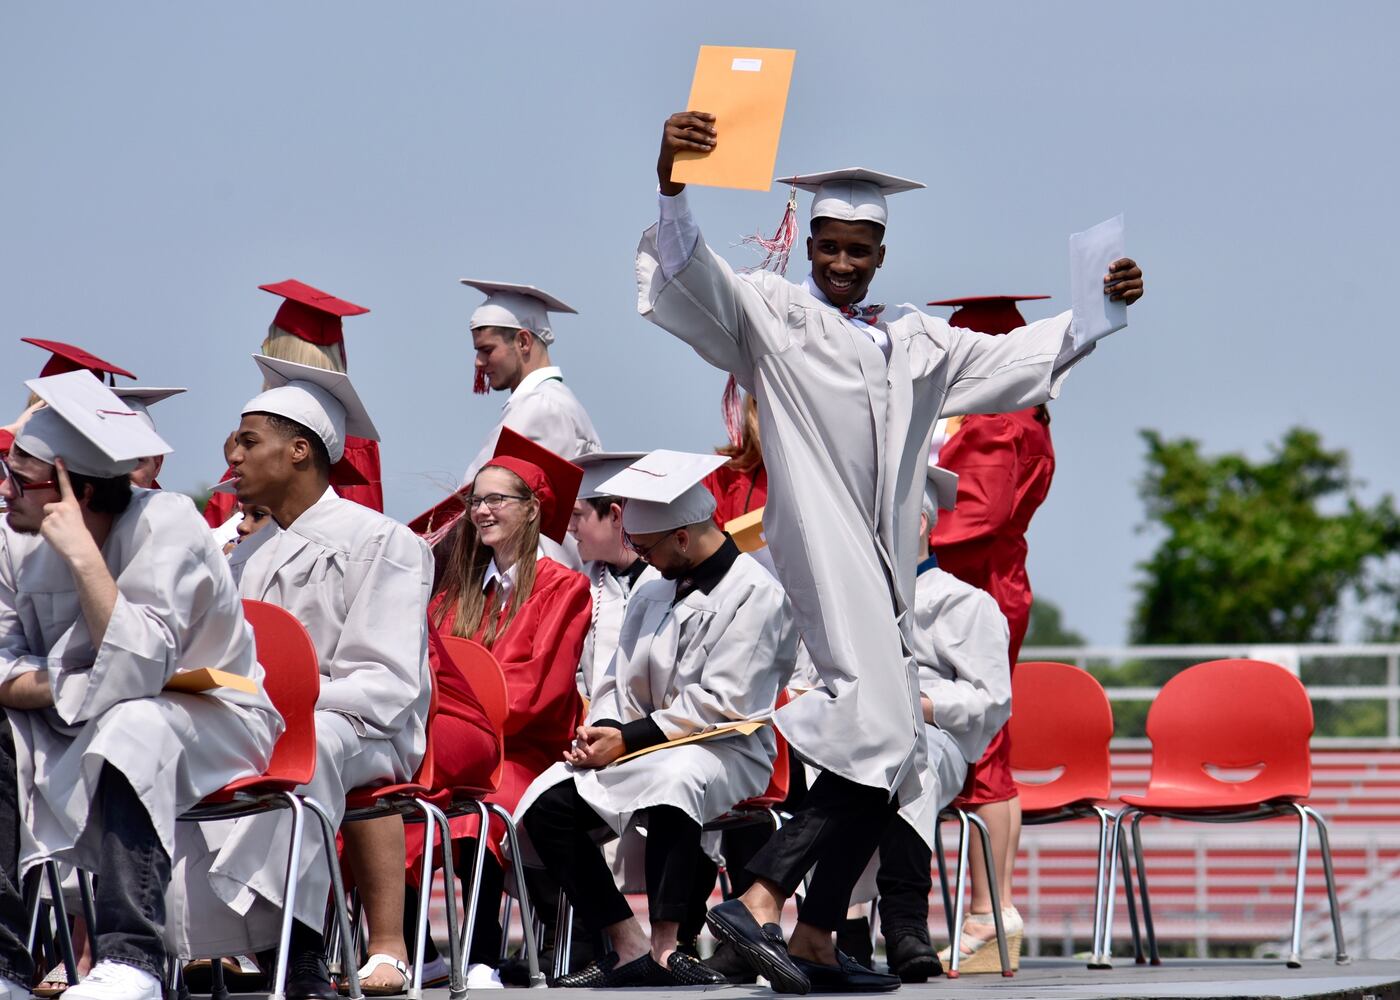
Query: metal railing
x=1296, y=658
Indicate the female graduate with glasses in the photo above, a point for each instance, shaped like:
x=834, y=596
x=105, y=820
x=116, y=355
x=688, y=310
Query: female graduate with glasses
x=498, y=588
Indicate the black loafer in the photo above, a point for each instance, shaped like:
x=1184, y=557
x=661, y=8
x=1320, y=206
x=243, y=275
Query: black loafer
x=730, y=964
x=309, y=979
x=762, y=947
x=687, y=971
x=910, y=955
x=605, y=973
x=846, y=976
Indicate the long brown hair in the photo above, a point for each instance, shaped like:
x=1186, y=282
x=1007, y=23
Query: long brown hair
x=748, y=453
x=463, y=591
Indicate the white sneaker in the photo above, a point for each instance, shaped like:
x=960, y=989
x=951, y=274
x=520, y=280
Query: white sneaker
x=436, y=972
x=11, y=990
x=483, y=977
x=116, y=981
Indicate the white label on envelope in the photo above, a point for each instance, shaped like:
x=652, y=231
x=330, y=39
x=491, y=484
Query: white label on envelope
x=746, y=65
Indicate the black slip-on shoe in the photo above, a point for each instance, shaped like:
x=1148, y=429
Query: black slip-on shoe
x=764, y=947
x=687, y=971
x=846, y=976
x=732, y=965
x=605, y=973
x=911, y=957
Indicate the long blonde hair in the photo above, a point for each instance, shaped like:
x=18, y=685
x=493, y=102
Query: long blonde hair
x=286, y=346
x=463, y=591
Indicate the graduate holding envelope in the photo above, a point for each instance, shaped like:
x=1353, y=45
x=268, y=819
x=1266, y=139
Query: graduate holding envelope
x=848, y=393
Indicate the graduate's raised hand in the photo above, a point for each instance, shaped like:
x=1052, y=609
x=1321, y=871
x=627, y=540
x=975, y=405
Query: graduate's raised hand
x=684, y=131
x=595, y=746
x=1123, y=281
x=63, y=526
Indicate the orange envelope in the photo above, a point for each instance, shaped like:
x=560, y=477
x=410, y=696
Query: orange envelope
x=746, y=90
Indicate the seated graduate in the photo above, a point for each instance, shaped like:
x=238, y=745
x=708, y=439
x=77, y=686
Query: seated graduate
x=359, y=582
x=711, y=643
x=960, y=643
x=614, y=571
x=120, y=590
x=532, y=613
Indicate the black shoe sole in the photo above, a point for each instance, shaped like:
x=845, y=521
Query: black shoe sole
x=918, y=970
x=782, y=980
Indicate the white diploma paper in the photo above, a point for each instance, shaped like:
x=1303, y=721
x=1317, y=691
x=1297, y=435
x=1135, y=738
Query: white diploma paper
x=1090, y=254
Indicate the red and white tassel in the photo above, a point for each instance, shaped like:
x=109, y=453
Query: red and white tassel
x=732, y=406
x=479, y=386
x=777, y=248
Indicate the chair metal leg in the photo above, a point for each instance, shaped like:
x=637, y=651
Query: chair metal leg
x=532, y=957
x=425, y=892
x=997, y=919
x=289, y=896
x=960, y=890
x=1295, y=958
x=943, y=879
x=1118, y=851
x=218, y=988
x=474, y=894
x=1338, y=938
x=456, y=985
x=342, y=915
x=87, y=897
x=1097, y=959
x=563, y=934
x=34, y=904
x=1152, y=955
x=60, y=912
x=507, y=911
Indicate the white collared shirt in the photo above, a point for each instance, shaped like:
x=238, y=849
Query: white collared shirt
x=533, y=380
x=505, y=579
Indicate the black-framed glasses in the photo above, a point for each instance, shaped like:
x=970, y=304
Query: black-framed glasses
x=18, y=485
x=493, y=501
x=644, y=550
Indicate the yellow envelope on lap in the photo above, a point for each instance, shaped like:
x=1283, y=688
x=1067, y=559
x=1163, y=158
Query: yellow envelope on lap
x=746, y=90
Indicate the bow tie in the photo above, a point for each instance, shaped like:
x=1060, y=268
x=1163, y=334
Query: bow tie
x=865, y=314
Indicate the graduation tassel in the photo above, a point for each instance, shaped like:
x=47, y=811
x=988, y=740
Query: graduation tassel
x=479, y=386
x=732, y=406
x=776, y=248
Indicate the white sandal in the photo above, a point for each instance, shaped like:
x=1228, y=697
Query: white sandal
x=372, y=966
x=981, y=955
x=57, y=975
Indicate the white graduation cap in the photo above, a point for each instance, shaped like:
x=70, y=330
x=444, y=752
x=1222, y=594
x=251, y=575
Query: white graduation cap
x=142, y=398
x=516, y=307
x=664, y=490
x=940, y=491
x=851, y=194
x=601, y=466
x=88, y=426
x=323, y=401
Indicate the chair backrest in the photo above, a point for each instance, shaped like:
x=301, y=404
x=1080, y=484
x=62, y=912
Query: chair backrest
x=1233, y=714
x=483, y=672
x=292, y=680
x=1061, y=721
x=782, y=762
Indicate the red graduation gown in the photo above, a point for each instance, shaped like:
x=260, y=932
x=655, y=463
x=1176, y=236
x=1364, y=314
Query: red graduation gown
x=362, y=453
x=737, y=492
x=6, y=441
x=1005, y=463
x=539, y=653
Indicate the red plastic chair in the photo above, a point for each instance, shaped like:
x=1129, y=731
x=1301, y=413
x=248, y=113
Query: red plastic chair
x=1246, y=716
x=292, y=680
x=1065, y=727
x=488, y=682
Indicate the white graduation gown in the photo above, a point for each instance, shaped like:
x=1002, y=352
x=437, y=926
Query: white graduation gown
x=710, y=659
x=545, y=410
x=845, y=490
x=177, y=609
x=610, y=596
x=359, y=582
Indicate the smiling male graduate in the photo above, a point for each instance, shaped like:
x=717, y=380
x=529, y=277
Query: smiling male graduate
x=847, y=394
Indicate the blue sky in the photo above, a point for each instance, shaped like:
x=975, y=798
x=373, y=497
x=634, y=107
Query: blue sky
x=161, y=160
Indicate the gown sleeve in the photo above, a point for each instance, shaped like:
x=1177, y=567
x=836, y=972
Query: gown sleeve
x=15, y=655
x=363, y=454
x=540, y=656
x=985, y=455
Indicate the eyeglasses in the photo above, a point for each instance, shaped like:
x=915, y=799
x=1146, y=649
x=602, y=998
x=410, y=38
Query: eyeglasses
x=644, y=550
x=493, y=501
x=18, y=486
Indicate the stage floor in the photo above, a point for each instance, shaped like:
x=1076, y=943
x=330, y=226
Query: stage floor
x=1060, y=979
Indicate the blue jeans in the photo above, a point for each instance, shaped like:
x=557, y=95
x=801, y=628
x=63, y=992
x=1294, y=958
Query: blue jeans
x=131, y=879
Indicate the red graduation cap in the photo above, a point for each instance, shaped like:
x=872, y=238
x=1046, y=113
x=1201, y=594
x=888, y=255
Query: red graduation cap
x=988, y=313
x=311, y=314
x=554, y=480
x=67, y=358
x=433, y=523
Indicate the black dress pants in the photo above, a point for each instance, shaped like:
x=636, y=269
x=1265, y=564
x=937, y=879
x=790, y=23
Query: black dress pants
x=904, y=879
x=131, y=880
x=561, y=827
x=837, y=830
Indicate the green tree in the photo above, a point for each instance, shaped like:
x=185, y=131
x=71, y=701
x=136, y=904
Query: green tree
x=1256, y=551
x=1047, y=627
